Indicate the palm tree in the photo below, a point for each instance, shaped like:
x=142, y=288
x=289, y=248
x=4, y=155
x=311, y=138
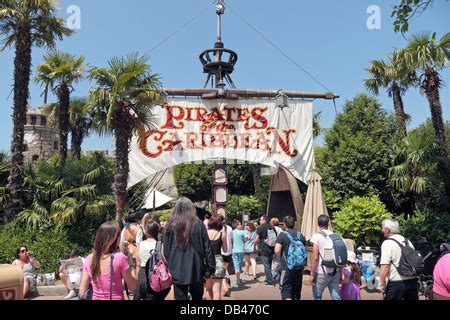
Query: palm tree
x=126, y=93
x=80, y=120
x=62, y=69
x=414, y=160
x=394, y=76
x=66, y=195
x=24, y=24
x=429, y=55
x=80, y=124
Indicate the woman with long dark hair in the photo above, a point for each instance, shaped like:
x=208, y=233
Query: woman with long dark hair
x=188, y=251
x=105, y=267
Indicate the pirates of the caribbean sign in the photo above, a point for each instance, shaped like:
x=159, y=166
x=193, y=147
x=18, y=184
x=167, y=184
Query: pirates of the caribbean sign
x=247, y=130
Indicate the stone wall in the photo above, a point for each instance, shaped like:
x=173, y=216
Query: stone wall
x=42, y=143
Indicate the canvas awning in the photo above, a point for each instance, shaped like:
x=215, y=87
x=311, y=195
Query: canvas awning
x=155, y=199
x=314, y=206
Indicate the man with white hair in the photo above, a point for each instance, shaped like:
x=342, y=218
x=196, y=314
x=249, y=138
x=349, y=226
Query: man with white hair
x=398, y=287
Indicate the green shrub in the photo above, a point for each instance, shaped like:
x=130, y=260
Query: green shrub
x=49, y=245
x=358, y=215
x=163, y=215
x=236, y=204
x=430, y=223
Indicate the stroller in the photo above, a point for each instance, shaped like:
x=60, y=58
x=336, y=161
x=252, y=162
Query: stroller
x=368, y=260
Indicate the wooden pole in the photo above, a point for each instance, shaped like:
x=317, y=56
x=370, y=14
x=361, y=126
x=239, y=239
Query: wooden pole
x=212, y=93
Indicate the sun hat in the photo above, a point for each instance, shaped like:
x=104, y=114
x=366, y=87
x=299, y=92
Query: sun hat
x=351, y=257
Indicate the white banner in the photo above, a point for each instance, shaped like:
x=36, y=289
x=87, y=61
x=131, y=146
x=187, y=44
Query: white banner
x=195, y=130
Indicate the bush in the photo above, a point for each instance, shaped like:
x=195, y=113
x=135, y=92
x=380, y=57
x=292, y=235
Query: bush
x=360, y=219
x=163, y=215
x=427, y=222
x=49, y=246
x=236, y=204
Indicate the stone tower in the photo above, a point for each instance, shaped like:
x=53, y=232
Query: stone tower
x=42, y=141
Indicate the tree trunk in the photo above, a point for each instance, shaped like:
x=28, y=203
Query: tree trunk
x=399, y=110
x=123, y=136
x=22, y=70
x=77, y=140
x=64, y=105
x=431, y=86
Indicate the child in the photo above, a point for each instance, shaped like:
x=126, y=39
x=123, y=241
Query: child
x=351, y=279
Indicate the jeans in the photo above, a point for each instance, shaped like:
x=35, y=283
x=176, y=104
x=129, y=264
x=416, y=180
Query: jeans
x=276, y=269
x=291, y=284
x=267, y=262
x=196, y=291
x=402, y=290
x=322, y=281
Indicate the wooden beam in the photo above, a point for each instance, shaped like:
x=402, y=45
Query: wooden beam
x=212, y=93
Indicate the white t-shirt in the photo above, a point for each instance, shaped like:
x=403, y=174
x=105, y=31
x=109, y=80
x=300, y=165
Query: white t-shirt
x=144, y=249
x=229, y=242
x=390, y=254
x=319, y=239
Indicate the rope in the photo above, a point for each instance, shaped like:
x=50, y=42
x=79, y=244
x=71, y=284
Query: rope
x=189, y=21
x=276, y=47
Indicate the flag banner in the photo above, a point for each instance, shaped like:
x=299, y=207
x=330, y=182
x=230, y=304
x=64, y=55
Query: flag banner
x=198, y=130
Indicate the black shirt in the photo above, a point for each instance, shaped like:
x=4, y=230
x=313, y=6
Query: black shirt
x=285, y=242
x=262, y=233
x=188, y=265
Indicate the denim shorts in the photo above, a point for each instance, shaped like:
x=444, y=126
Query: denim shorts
x=238, y=260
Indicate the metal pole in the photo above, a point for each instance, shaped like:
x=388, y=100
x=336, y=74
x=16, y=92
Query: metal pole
x=154, y=200
x=219, y=29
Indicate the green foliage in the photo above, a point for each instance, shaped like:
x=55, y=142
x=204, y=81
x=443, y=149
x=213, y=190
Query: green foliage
x=237, y=204
x=426, y=51
x=333, y=201
x=59, y=68
x=163, y=215
x=125, y=95
x=193, y=181
x=431, y=223
x=240, y=179
x=49, y=245
x=264, y=196
x=39, y=16
x=406, y=10
x=414, y=162
x=361, y=214
x=355, y=159
x=69, y=195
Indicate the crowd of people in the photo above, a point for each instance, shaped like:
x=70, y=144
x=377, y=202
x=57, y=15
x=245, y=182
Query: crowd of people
x=195, y=258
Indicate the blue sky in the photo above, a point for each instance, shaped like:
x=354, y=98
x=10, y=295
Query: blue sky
x=328, y=38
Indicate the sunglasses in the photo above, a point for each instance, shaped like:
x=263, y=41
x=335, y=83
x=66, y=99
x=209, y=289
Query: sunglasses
x=23, y=250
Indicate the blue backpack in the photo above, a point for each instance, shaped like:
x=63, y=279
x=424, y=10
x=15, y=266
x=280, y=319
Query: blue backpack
x=296, y=257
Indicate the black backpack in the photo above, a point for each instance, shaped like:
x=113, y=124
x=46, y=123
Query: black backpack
x=411, y=261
